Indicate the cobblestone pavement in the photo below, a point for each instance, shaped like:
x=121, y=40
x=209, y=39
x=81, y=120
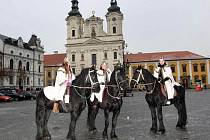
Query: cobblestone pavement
x=17, y=121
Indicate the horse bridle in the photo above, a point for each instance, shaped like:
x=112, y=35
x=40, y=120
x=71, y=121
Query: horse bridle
x=117, y=81
x=91, y=80
x=141, y=75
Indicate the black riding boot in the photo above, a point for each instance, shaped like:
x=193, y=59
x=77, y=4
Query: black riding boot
x=62, y=107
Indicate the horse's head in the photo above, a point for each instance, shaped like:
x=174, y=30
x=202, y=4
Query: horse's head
x=141, y=75
x=88, y=78
x=119, y=78
x=138, y=77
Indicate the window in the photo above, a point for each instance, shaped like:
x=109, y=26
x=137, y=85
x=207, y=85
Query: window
x=151, y=69
x=203, y=67
x=39, y=69
x=173, y=69
x=73, y=33
x=20, y=65
x=82, y=57
x=12, y=52
x=11, y=80
x=27, y=66
x=105, y=55
x=114, y=30
x=93, y=59
x=49, y=74
x=28, y=80
x=73, y=69
x=73, y=57
x=115, y=55
x=20, y=54
x=195, y=68
x=184, y=68
x=27, y=55
x=203, y=78
x=196, y=77
x=39, y=81
x=39, y=57
x=11, y=64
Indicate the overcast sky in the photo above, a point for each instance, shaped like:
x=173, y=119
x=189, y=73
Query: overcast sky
x=149, y=25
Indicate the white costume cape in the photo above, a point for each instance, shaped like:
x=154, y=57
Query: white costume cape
x=57, y=92
x=101, y=79
x=166, y=72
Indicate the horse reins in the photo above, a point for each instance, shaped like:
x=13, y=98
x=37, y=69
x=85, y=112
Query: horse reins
x=146, y=84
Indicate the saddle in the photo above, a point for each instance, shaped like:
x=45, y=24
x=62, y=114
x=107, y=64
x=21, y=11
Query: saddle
x=164, y=91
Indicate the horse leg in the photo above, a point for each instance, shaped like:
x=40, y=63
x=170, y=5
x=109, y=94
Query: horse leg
x=160, y=118
x=46, y=133
x=106, y=114
x=114, y=123
x=182, y=114
x=40, y=112
x=75, y=114
x=154, y=119
x=92, y=113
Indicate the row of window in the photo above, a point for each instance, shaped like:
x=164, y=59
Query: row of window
x=39, y=56
x=114, y=31
x=20, y=67
x=25, y=81
x=73, y=57
x=184, y=68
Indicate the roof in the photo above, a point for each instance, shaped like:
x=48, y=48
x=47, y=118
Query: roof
x=12, y=41
x=54, y=59
x=176, y=55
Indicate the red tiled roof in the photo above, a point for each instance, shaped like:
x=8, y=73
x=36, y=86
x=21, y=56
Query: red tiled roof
x=54, y=59
x=176, y=55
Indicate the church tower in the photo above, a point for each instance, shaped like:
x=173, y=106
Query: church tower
x=114, y=19
x=74, y=22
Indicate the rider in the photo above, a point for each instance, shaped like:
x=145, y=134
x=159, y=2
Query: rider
x=103, y=75
x=64, y=78
x=164, y=74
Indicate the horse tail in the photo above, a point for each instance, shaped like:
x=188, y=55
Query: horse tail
x=183, y=106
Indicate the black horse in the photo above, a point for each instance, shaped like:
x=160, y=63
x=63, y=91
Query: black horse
x=156, y=99
x=112, y=102
x=81, y=88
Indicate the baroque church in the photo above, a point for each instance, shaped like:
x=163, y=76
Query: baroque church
x=87, y=42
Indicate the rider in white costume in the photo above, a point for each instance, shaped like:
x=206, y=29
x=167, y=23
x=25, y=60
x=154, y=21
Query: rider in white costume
x=64, y=78
x=103, y=75
x=163, y=73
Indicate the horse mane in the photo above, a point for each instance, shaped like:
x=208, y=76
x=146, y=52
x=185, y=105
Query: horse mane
x=121, y=69
x=149, y=76
x=80, y=78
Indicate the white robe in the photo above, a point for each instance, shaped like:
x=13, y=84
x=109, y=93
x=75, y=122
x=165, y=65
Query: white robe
x=57, y=92
x=101, y=79
x=167, y=72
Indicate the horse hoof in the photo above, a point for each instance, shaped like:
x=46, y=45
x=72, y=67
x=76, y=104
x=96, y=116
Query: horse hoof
x=152, y=130
x=162, y=131
x=93, y=131
x=181, y=127
x=47, y=138
x=39, y=138
x=114, y=138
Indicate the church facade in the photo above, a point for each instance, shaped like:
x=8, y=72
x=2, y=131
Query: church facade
x=87, y=42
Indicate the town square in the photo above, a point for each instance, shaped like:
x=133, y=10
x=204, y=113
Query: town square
x=108, y=69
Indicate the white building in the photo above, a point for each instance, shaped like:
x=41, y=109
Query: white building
x=88, y=43
x=21, y=64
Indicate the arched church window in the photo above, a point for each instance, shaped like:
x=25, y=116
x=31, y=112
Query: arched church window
x=73, y=33
x=114, y=30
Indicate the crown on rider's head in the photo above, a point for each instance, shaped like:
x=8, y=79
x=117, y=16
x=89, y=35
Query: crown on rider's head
x=161, y=59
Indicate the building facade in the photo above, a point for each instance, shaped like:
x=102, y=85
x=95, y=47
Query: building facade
x=187, y=67
x=21, y=64
x=87, y=42
x=51, y=64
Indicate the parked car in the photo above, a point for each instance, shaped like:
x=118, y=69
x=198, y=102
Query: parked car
x=12, y=93
x=4, y=98
x=27, y=95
